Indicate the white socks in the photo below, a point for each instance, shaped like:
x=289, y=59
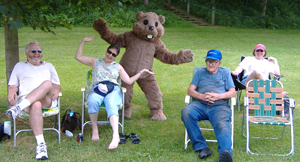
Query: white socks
x=24, y=104
x=40, y=139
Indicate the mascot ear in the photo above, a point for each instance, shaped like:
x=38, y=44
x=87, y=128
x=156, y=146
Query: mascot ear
x=161, y=19
x=139, y=15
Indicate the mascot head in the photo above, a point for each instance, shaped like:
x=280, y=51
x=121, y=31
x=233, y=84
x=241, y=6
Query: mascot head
x=149, y=26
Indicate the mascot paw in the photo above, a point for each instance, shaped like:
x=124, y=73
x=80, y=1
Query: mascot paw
x=188, y=55
x=100, y=25
x=159, y=116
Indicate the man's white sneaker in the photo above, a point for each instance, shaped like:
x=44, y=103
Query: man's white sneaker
x=41, y=151
x=13, y=112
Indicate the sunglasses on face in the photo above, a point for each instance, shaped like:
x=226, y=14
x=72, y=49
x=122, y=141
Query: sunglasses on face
x=113, y=54
x=38, y=50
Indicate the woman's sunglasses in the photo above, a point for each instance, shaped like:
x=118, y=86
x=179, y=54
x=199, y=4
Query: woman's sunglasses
x=34, y=51
x=113, y=54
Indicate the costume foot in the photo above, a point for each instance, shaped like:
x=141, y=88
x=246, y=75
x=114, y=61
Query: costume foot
x=114, y=143
x=127, y=113
x=159, y=116
x=95, y=135
x=204, y=153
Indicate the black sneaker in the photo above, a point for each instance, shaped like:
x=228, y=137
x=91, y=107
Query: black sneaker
x=204, y=153
x=225, y=156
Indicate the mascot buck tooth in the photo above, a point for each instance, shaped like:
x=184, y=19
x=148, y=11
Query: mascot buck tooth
x=142, y=45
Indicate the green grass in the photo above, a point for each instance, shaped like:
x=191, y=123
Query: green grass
x=161, y=140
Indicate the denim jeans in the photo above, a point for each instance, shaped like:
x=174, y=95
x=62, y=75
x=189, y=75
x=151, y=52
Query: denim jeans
x=112, y=102
x=218, y=114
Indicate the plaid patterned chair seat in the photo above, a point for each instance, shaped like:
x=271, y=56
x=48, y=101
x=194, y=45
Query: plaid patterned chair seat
x=262, y=101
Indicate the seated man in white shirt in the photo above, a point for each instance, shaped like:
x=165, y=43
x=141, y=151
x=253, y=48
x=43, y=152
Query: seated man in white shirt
x=37, y=85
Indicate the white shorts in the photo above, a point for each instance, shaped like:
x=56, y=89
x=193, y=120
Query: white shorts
x=53, y=104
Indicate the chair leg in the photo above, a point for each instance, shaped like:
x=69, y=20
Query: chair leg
x=243, y=122
x=239, y=98
x=186, y=140
x=14, y=133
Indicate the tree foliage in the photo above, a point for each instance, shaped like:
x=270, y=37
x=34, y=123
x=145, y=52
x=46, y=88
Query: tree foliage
x=46, y=14
x=43, y=14
x=277, y=14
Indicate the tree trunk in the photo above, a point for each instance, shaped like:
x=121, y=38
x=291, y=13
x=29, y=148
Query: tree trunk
x=11, y=48
x=146, y=2
x=264, y=7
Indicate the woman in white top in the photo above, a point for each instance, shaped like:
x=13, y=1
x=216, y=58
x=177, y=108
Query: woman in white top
x=257, y=67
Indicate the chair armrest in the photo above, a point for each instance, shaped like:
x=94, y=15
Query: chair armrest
x=187, y=99
x=292, y=103
x=59, y=94
x=82, y=89
x=124, y=90
x=232, y=101
x=246, y=101
x=277, y=77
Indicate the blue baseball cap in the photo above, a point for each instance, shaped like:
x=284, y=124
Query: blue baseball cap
x=214, y=55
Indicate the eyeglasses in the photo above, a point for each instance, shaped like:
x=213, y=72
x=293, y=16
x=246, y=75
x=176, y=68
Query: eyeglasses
x=113, y=54
x=211, y=62
x=38, y=50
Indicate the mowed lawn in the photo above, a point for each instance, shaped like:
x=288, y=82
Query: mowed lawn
x=160, y=140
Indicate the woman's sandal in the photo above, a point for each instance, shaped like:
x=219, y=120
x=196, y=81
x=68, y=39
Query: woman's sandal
x=134, y=137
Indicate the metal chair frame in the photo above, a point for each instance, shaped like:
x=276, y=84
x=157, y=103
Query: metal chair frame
x=265, y=100
x=85, y=91
x=46, y=113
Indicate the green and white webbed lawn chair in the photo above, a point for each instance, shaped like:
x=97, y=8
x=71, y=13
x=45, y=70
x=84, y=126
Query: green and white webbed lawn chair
x=261, y=103
x=55, y=111
x=203, y=123
x=85, y=92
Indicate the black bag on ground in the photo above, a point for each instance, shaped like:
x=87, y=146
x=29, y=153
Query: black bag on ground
x=3, y=136
x=70, y=120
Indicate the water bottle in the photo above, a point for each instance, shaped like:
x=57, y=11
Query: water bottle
x=7, y=128
x=71, y=113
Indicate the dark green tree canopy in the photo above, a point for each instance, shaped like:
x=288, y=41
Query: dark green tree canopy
x=45, y=14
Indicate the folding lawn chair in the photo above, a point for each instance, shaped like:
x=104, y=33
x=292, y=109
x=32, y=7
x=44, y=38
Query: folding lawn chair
x=85, y=91
x=55, y=111
x=232, y=103
x=261, y=103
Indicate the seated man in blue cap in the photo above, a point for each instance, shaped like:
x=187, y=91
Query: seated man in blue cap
x=211, y=87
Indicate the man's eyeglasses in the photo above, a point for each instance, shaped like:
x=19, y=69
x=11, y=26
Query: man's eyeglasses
x=38, y=50
x=113, y=54
x=211, y=62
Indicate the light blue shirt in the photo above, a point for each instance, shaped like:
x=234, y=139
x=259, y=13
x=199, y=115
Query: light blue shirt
x=219, y=82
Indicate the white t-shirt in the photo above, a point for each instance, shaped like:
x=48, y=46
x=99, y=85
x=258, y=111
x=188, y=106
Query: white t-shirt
x=249, y=64
x=27, y=77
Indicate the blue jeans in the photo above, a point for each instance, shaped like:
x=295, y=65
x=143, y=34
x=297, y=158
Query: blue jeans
x=112, y=102
x=218, y=114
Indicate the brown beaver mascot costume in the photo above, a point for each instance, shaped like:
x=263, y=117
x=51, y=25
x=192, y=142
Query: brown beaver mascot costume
x=142, y=45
